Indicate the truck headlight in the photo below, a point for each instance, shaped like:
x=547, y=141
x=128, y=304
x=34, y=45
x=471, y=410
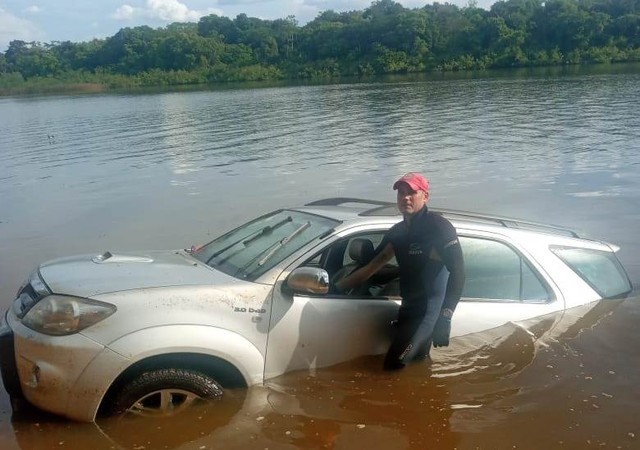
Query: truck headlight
x=60, y=315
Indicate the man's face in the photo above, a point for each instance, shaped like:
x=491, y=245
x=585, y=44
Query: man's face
x=410, y=201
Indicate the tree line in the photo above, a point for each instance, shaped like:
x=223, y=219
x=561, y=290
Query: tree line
x=384, y=38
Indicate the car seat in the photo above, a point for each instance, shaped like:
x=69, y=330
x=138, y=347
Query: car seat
x=361, y=251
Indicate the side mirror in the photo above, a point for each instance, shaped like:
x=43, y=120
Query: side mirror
x=308, y=280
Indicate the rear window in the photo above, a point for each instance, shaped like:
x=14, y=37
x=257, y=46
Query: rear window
x=600, y=269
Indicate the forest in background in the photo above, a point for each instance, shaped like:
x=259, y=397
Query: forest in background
x=385, y=38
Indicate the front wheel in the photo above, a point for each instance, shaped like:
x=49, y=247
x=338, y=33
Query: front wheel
x=164, y=392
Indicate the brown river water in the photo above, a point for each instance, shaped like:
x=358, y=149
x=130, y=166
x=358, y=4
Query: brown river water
x=154, y=170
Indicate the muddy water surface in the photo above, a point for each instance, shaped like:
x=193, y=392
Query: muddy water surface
x=92, y=173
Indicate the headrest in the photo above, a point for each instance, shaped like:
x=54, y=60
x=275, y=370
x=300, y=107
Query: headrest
x=361, y=250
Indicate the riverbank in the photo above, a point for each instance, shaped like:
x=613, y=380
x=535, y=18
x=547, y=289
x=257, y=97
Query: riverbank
x=12, y=85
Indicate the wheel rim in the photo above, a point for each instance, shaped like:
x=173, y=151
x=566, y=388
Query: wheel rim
x=163, y=402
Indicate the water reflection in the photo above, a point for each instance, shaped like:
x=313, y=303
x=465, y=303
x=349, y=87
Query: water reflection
x=477, y=383
x=493, y=382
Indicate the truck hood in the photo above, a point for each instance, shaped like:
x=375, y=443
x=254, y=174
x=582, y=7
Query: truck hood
x=90, y=275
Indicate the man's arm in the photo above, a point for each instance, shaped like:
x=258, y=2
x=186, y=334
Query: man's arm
x=365, y=272
x=451, y=254
x=453, y=260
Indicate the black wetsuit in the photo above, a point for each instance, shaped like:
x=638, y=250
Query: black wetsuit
x=431, y=278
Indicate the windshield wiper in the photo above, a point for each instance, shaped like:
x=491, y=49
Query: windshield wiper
x=266, y=230
x=284, y=241
x=250, y=238
x=274, y=248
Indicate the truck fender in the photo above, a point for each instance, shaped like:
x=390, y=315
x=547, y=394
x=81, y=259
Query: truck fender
x=213, y=341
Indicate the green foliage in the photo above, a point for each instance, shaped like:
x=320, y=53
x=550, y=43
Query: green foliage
x=390, y=61
x=385, y=38
x=11, y=80
x=325, y=69
x=607, y=54
x=219, y=27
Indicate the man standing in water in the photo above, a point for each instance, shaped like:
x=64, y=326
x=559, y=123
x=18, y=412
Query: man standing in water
x=429, y=257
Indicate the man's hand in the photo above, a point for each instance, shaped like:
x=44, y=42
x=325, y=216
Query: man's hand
x=442, y=330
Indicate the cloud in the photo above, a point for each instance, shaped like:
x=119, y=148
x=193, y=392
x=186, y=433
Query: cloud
x=13, y=28
x=164, y=10
x=34, y=9
x=125, y=12
x=361, y=5
x=241, y=2
x=340, y=5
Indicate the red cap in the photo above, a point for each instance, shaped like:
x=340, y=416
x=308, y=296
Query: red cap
x=414, y=180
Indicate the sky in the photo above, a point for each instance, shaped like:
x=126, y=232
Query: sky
x=83, y=20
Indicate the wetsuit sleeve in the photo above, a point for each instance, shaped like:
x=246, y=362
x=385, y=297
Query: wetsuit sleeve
x=451, y=254
x=387, y=239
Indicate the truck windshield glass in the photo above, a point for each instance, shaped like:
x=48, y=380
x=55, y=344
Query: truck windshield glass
x=252, y=249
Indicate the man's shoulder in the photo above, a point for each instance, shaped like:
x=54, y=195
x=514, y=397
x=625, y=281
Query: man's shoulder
x=438, y=221
x=438, y=218
x=396, y=228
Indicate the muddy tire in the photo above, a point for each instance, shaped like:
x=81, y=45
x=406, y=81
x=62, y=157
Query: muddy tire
x=164, y=392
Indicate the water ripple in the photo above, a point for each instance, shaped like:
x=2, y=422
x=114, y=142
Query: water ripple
x=544, y=123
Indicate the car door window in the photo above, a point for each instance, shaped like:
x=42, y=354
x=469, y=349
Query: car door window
x=382, y=284
x=495, y=271
x=375, y=238
x=339, y=261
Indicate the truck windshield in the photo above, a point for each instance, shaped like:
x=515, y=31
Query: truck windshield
x=252, y=249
